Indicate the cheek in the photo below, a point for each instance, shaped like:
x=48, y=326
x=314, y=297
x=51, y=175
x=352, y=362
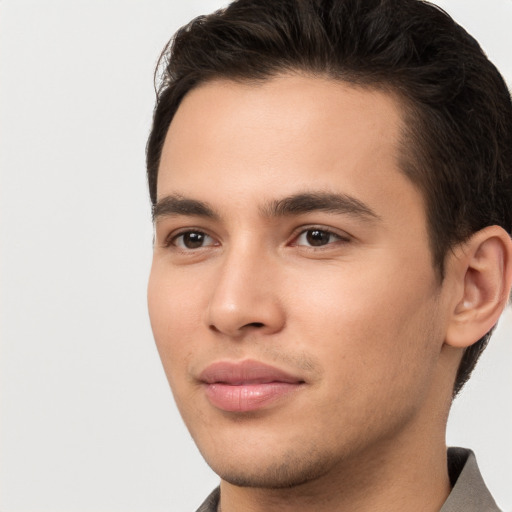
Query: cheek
x=175, y=317
x=369, y=327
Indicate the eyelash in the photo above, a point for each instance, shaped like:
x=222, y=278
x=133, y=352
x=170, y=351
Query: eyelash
x=172, y=239
x=303, y=231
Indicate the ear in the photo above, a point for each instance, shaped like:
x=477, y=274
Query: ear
x=482, y=269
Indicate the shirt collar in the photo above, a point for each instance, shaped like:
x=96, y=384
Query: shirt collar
x=469, y=492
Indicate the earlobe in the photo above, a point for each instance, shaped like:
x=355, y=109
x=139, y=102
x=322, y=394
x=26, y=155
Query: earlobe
x=483, y=267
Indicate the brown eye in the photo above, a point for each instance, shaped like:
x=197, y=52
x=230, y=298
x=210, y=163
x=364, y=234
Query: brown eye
x=315, y=237
x=193, y=240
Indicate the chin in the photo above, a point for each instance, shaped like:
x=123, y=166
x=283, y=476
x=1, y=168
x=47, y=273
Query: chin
x=282, y=471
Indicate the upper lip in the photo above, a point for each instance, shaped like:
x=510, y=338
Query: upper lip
x=245, y=372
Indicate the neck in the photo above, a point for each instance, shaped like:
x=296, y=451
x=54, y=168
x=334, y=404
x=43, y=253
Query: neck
x=395, y=480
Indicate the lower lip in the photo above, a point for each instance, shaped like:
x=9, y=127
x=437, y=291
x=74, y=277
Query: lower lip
x=247, y=397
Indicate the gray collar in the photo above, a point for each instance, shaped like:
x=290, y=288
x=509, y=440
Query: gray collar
x=469, y=492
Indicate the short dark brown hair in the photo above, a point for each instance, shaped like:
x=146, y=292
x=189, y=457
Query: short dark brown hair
x=458, y=112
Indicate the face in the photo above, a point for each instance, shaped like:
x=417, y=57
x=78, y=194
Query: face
x=292, y=295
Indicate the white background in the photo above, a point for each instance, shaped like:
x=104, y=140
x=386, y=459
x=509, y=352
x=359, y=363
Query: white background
x=87, y=420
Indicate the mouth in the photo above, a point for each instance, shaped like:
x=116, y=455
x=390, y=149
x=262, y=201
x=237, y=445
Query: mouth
x=247, y=385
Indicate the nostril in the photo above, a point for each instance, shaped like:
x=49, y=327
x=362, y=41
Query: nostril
x=255, y=324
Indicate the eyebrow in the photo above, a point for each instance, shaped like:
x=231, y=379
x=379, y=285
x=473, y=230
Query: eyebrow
x=319, y=201
x=297, y=204
x=173, y=205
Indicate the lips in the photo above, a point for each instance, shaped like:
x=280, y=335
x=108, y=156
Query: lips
x=247, y=385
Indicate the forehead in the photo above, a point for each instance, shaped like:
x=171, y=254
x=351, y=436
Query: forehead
x=288, y=134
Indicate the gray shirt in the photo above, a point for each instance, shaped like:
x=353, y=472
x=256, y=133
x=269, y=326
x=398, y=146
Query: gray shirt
x=469, y=493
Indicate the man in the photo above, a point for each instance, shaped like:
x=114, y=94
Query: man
x=331, y=183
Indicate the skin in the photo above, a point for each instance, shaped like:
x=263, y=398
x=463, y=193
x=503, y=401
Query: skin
x=362, y=318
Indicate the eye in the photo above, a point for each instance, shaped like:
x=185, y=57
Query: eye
x=192, y=240
x=316, y=237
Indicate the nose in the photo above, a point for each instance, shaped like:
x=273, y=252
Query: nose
x=245, y=297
